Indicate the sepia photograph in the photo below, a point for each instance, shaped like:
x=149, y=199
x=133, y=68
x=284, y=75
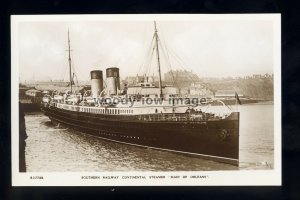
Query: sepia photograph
x=154, y=100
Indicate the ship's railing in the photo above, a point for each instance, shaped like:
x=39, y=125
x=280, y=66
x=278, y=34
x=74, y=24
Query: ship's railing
x=180, y=117
x=190, y=116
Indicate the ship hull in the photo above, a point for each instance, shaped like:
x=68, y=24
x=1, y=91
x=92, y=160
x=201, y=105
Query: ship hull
x=215, y=140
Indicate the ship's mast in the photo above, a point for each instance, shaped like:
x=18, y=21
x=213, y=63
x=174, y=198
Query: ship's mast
x=158, y=61
x=70, y=67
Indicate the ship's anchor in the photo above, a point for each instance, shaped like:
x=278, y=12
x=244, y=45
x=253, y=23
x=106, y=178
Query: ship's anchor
x=223, y=135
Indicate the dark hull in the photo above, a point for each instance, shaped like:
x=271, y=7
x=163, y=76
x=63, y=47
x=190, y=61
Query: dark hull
x=30, y=104
x=31, y=107
x=204, y=139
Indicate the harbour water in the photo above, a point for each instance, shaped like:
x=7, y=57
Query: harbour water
x=53, y=148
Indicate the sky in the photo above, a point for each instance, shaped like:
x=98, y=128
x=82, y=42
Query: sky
x=209, y=48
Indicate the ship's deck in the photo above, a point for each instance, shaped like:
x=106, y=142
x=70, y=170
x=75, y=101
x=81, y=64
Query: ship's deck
x=109, y=113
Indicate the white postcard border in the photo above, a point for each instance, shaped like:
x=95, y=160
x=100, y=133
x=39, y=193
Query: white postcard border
x=136, y=178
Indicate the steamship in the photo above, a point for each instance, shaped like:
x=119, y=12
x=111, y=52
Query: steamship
x=165, y=124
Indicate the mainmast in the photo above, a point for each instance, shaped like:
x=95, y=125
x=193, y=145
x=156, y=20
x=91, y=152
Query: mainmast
x=158, y=61
x=70, y=67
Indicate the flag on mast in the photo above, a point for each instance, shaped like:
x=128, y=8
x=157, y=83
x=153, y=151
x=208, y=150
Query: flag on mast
x=237, y=98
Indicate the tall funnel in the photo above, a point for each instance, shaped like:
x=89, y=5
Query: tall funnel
x=96, y=82
x=112, y=80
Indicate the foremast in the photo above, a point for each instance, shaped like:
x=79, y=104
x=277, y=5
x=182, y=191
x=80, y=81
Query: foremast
x=158, y=61
x=70, y=65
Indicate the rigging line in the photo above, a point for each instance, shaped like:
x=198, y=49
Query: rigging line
x=74, y=71
x=144, y=66
x=145, y=56
x=148, y=57
x=192, y=78
x=87, y=79
x=164, y=45
x=178, y=59
x=165, y=53
x=73, y=66
x=181, y=65
x=66, y=69
x=61, y=69
x=149, y=64
x=148, y=49
x=146, y=62
x=75, y=74
x=151, y=58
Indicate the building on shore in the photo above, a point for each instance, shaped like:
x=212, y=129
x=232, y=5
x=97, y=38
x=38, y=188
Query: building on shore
x=198, y=89
x=147, y=89
x=182, y=78
x=134, y=80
